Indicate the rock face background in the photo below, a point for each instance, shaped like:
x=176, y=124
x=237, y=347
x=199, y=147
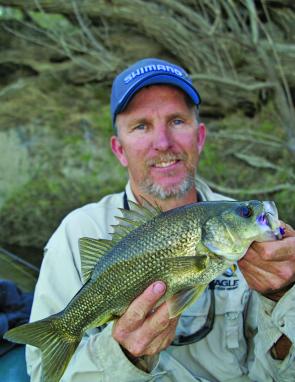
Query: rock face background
x=57, y=61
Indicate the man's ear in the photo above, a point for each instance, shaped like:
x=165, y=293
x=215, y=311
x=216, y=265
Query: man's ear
x=201, y=138
x=118, y=150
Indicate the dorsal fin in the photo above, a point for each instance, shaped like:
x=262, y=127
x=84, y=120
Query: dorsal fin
x=91, y=250
x=150, y=209
x=133, y=218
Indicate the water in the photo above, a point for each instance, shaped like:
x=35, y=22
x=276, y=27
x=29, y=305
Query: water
x=32, y=255
x=20, y=265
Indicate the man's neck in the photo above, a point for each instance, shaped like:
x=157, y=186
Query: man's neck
x=168, y=204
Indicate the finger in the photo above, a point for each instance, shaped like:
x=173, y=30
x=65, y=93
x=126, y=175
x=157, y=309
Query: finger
x=139, y=346
x=281, y=250
x=163, y=340
x=139, y=308
x=257, y=277
x=156, y=343
x=157, y=322
x=268, y=276
x=283, y=269
x=139, y=341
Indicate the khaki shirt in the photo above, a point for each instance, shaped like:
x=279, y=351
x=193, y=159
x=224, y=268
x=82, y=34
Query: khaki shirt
x=237, y=349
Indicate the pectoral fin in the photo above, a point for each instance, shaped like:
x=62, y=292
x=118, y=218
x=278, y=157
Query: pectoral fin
x=188, y=263
x=183, y=299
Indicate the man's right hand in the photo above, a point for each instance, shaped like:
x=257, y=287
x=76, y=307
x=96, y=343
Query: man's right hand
x=142, y=331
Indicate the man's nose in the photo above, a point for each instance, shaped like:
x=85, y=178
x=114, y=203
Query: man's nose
x=162, y=139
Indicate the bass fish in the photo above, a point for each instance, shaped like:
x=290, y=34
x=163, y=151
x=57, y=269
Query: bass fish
x=186, y=247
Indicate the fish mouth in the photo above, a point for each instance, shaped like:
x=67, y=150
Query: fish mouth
x=270, y=222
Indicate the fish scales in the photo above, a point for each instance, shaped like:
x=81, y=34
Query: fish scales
x=146, y=255
x=171, y=237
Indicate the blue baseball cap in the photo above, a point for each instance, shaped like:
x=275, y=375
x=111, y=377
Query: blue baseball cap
x=149, y=71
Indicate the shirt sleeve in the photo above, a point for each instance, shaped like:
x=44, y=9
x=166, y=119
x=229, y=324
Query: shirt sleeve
x=100, y=358
x=274, y=319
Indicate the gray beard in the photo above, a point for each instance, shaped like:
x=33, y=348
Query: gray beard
x=172, y=192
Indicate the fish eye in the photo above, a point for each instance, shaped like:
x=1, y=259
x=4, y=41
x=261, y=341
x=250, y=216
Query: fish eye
x=245, y=211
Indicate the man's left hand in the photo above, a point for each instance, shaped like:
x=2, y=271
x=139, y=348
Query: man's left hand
x=269, y=267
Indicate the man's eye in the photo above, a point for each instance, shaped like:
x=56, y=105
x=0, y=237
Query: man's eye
x=177, y=122
x=141, y=126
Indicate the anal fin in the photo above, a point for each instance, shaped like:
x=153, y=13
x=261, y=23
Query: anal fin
x=183, y=299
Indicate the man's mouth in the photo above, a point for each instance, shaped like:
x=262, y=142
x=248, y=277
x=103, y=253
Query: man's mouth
x=165, y=164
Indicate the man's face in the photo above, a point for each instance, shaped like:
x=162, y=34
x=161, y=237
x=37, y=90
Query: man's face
x=159, y=141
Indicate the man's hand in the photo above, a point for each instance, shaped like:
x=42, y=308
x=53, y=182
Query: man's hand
x=269, y=267
x=141, y=331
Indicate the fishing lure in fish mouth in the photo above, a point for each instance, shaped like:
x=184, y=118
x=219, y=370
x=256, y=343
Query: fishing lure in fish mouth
x=186, y=247
x=270, y=218
x=280, y=232
x=267, y=218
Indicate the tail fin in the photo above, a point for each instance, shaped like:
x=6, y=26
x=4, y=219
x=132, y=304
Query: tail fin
x=57, y=347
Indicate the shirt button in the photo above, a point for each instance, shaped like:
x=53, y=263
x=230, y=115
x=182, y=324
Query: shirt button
x=282, y=322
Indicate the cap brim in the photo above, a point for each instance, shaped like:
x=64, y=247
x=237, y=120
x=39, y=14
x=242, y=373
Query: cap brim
x=160, y=79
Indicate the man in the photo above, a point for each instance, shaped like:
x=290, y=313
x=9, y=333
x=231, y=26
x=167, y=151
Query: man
x=159, y=140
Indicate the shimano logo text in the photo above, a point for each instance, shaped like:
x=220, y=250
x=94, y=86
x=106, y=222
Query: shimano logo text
x=152, y=68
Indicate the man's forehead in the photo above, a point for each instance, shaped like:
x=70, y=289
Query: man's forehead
x=154, y=101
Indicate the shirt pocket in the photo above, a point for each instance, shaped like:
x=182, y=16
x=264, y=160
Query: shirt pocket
x=234, y=337
x=227, y=336
x=232, y=316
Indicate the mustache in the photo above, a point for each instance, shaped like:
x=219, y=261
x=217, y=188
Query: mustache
x=168, y=157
